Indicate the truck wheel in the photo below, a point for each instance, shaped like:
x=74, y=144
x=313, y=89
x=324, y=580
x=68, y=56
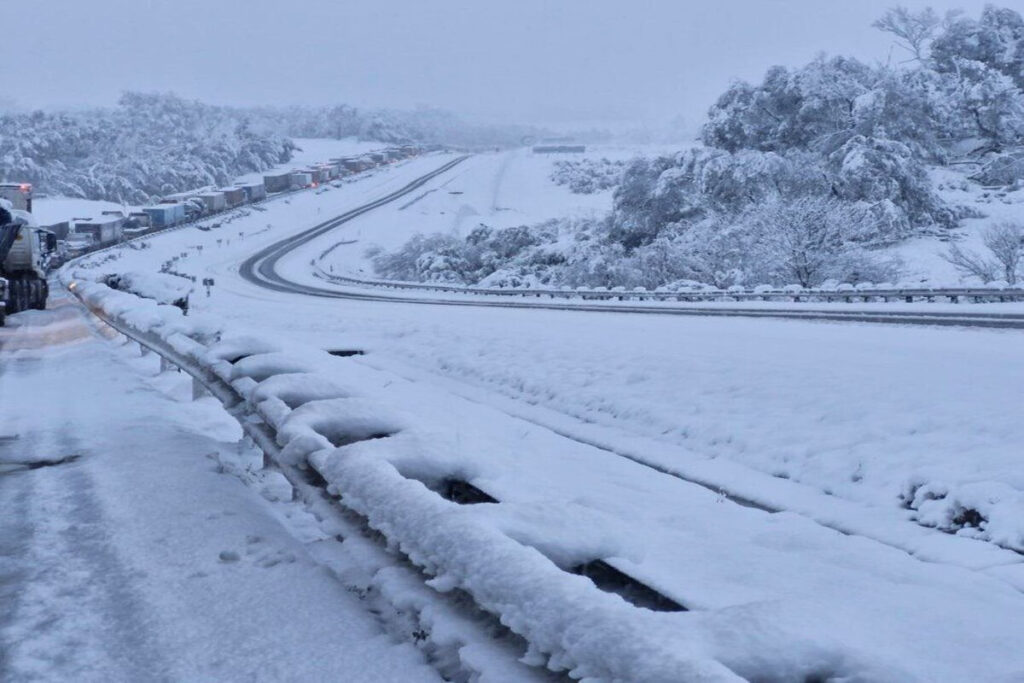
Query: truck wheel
x=39, y=295
x=18, y=295
x=26, y=295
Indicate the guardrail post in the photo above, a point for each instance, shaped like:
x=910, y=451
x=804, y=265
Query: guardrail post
x=165, y=364
x=143, y=350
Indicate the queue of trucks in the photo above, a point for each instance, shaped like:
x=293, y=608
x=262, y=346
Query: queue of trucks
x=28, y=251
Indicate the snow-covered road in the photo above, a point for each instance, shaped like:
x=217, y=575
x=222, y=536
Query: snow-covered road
x=831, y=422
x=139, y=558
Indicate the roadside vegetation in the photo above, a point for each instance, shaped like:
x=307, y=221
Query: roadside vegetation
x=800, y=179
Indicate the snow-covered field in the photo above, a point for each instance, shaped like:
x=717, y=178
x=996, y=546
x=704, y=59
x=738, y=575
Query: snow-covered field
x=922, y=256
x=500, y=189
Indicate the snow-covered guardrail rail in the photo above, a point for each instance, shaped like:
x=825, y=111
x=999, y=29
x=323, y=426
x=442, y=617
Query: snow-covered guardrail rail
x=792, y=295
x=866, y=305
x=313, y=431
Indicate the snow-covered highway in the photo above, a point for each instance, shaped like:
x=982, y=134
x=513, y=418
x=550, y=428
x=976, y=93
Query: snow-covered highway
x=572, y=421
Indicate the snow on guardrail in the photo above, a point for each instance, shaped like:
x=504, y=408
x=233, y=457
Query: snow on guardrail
x=991, y=292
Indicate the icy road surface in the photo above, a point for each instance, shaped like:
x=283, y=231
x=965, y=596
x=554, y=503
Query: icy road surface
x=125, y=555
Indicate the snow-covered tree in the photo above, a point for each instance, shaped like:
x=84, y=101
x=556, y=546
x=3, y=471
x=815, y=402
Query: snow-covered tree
x=811, y=239
x=1006, y=242
x=996, y=40
x=913, y=30
x=150, y=145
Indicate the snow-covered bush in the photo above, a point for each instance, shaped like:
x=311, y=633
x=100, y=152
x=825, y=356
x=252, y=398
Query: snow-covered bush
x=806, y=240
x=1006, y=168
x=1005, y=245
x=587, y=176
x=508, y=257
x=885, y=175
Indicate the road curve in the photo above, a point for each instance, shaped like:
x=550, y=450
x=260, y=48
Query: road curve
x=261, y=269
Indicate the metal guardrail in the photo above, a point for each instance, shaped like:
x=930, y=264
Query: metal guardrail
x=853, y=295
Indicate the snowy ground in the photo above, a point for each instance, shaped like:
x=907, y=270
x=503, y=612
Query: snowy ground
x=763, y=588
x=139, y=558
x=922, y=256
x=831, y=421
x=500, y=189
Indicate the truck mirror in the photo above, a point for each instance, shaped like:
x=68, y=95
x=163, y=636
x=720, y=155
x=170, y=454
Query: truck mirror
x=51, y=241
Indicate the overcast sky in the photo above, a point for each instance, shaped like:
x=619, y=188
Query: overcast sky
x=544, y=61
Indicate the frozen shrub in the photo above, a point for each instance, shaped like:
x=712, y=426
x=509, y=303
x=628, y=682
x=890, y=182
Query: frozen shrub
x=885, y=174
x=1002, y=169
x=812, y=239
x=588, y=176
x=1005, y=245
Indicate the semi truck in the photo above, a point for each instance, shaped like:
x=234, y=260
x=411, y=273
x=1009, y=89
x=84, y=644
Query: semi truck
x=26, y=254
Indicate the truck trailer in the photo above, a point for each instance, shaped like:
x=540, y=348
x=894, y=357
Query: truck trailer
x=277, y=182
x=254, y=192
x=18, y=194
x=165, y=215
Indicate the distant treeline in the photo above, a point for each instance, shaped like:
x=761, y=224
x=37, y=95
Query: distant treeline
x=152, y=145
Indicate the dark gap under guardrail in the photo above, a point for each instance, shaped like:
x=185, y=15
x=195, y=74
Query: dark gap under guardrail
x=464, y=493
x=611, y=580
x=345, y=353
